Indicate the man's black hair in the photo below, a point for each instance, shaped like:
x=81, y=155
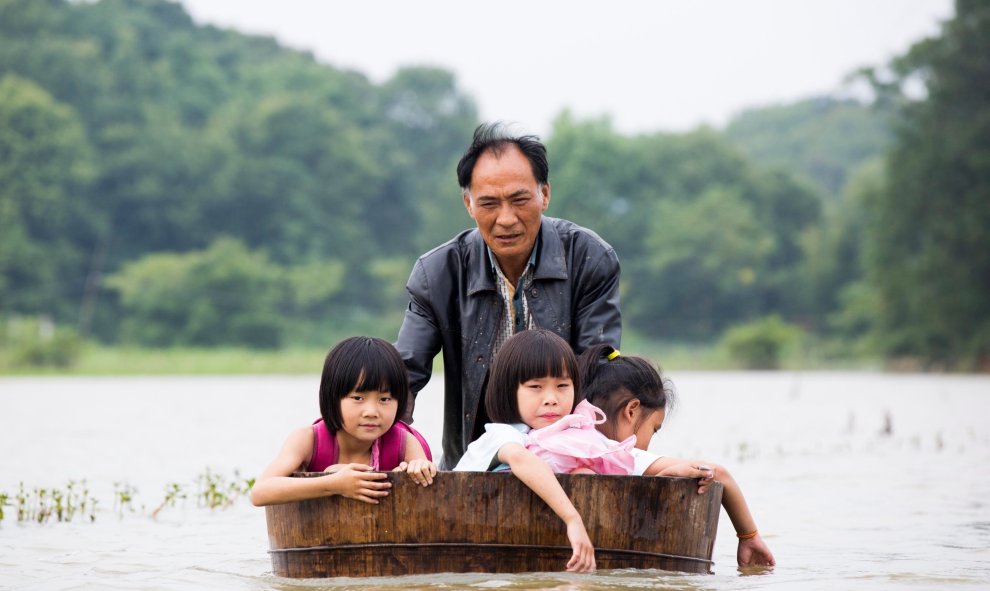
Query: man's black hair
x=496, y=137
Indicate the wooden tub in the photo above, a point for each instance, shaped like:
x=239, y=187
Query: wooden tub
x=491, y=522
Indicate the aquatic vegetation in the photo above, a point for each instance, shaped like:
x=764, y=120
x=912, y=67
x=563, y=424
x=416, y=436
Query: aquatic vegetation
x=123, y=498
x=42, y=505
x=74, y=500
x=173, y=492
x=216, y=491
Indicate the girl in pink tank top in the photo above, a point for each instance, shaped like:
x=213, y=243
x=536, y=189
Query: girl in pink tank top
x=363, y=389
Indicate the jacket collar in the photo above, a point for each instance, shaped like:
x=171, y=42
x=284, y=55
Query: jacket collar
x=549, y=264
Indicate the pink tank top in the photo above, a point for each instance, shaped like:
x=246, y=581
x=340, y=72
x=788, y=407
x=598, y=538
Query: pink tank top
x=386, y=452
x=573, y=442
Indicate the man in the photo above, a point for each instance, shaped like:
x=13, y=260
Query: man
x=516, y=270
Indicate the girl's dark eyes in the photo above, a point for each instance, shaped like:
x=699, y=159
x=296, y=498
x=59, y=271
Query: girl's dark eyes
x=357, y=398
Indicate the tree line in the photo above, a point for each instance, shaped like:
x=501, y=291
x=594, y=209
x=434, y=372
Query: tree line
x=165, y=183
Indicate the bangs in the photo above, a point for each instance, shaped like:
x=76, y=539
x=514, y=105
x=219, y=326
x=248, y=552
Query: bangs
x=544, y=359
x=374, y=371
x=530, y=354
x=361, y=364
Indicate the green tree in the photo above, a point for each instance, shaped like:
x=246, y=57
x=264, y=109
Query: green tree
x=427, y=124
x=821, y=139
x=197, y=133
x=761, y=344
x=45, y=167
x=835, y=271
x=223, y=295
x=707, y=256
x=929, y=248
x=300, y=185
x=706, y=238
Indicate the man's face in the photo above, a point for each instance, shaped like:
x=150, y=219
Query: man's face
x=507, y=203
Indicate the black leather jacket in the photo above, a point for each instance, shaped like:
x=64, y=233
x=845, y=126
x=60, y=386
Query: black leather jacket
x=455, y=307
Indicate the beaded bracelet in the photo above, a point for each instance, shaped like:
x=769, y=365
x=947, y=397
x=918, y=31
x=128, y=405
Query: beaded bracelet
x=751, y=534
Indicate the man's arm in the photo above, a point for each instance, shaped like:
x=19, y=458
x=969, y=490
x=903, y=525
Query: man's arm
x=419, y=338
x=597, y=318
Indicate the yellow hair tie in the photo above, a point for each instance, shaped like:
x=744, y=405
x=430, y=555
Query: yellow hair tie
x=748, y=536
x=613, y=355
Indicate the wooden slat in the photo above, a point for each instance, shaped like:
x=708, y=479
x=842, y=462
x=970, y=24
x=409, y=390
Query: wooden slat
x=491, y=522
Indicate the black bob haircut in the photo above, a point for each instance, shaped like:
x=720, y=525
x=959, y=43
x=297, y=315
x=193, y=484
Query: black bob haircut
x=496, y=137
x=361, y=364
x=527, y=355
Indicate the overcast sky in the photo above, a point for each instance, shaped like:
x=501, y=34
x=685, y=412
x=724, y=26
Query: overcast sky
x=650, y=66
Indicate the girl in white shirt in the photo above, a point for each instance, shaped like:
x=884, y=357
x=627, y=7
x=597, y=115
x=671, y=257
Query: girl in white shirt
x=532, y=384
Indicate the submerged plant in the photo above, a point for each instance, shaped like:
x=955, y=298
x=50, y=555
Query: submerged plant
x=50, y=504
x=123, y=497
x=42, y=505
x=4, y=502
x=217, y=492
x=78, y=502
x=23, y=512
x=173, y=492
x=43, y=508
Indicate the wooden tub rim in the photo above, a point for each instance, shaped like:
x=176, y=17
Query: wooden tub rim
x=426, y=545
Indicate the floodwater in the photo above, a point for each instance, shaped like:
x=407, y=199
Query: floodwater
x=857, y=481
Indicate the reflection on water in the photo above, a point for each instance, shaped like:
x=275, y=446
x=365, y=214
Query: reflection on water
x=857, y=481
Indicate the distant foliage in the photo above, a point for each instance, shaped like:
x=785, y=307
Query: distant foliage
x=223, y=295
x=706, y=239
x=822, y=139
x=165, y=183
x=761, y=344
x=45, y=171
x=127, y=130
x=928, y=244
x=37, y=342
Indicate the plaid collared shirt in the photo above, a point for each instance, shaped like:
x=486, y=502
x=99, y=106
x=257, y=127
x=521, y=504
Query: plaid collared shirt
x=517, y=316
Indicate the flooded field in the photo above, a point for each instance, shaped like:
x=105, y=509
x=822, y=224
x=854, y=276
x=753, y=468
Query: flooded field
x=857, y=480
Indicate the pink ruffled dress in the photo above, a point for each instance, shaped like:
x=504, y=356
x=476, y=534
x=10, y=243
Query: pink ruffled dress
x=573, y=442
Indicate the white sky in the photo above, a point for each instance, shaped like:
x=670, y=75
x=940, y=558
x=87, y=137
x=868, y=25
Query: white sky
x=650, y=66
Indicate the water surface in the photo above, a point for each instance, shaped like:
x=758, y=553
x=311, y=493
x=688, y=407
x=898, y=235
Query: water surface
x=857, y=480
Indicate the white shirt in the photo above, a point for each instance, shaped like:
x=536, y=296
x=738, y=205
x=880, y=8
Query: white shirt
x=483, y=451
x=482, y=454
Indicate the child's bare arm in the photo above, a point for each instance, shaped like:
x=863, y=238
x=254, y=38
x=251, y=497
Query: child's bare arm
x=538, y=476
x=752, y=550
x=275, y=485
x=680, y=468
